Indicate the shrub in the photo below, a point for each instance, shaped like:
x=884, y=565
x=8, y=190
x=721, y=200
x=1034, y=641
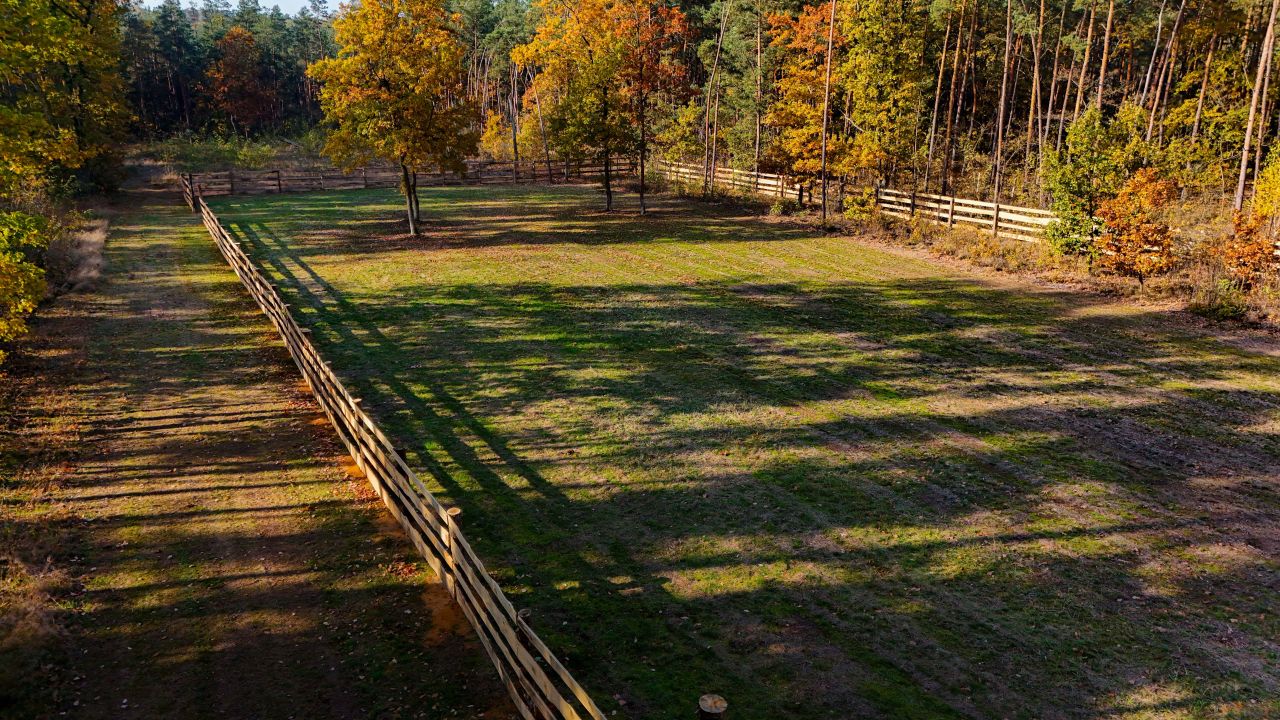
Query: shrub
x=1134, y=242
x=23, y=239
x=783, y=206
x=860, y=205
x=1248, y=253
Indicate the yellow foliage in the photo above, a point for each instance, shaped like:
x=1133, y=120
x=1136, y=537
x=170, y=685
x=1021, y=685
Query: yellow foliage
x=495, y=142
x=395, y=91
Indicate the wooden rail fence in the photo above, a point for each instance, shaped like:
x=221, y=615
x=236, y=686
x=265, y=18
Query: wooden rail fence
x=1008, y=221
x=258, y=182
x=540, y=686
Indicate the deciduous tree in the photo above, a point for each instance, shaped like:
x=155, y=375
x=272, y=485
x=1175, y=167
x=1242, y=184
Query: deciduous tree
x=395, y=91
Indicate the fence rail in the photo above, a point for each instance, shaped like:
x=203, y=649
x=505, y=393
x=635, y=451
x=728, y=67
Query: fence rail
x=259, y=182
x=1008, y=221
x=540, y=685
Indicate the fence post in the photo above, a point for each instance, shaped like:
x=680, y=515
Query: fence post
x=951, y=213
x=450, y=531
x=913, y=202
x=364, y=174
x=231, y=182
x=995, y=221
x=279, y=182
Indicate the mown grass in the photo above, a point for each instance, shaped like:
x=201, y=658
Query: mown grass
x=718, y=454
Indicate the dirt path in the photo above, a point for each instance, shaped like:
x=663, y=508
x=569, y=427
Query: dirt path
x=226, y=564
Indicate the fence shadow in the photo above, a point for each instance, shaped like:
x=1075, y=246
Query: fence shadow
x=908, y=495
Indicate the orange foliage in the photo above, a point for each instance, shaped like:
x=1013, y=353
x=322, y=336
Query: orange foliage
x=1134, y=242
x=235, y=83
x=1249, y=252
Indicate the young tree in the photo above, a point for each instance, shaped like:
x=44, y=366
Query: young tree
x=1134, y=241
x=395, y=92
x=797, y=111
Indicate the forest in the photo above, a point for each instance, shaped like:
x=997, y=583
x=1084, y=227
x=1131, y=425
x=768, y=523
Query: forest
x=1068, y=104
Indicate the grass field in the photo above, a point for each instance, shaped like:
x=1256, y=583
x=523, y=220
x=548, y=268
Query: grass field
x=717, y=454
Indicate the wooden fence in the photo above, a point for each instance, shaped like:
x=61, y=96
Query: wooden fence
x=759, y=183
x=1009, y=221
x=539, y=684
x=258, y=182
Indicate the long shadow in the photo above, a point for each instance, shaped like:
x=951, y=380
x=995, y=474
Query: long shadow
x=896, y=522
x=215, y=563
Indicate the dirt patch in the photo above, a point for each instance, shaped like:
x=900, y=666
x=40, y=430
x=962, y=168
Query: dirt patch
x=221, y=563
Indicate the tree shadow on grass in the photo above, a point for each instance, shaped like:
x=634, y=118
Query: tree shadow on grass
x=911, y=498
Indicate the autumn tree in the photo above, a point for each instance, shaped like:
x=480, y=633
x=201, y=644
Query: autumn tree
x=579, y=51
x=653, y=36
x=395, y=92
x=61, y=108
x=1134, y=241
x=883, y=73
x=796, y=113
x=235, y=83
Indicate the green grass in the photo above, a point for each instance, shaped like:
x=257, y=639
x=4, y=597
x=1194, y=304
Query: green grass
x=718, y=454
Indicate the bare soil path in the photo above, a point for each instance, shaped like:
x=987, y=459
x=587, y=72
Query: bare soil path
x=224, y=564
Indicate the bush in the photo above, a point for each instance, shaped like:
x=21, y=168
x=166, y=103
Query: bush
x=784, y=206
x=860, y=206
x=187, y=153
x=1134, y=242
x=23, y=239
x=1248, y=253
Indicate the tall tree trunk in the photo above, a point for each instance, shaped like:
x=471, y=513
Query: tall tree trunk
x=1204, y=87
x=542, y=131
x=1155, y=52
x=712, y=88
x=409, y=196
x=1264, y=67
x=606, y=146
x=1084, y=68
x=1004, y=92
x=1034, y=111
x=1166, y=71
x=826, y=102
x=937, y=101
x=715, y=136
x=515, y=124
x=1264, y=118
x=644, y=151
x=955, y=97
x=1106, y=52
x=1054, y=76
x=759, y=92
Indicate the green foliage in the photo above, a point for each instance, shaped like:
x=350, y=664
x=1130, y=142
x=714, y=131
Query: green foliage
x=860, y=205
x=23, y=239
x=172, y=59
x=1098, y=159
x=193, y=153
x=61, y=102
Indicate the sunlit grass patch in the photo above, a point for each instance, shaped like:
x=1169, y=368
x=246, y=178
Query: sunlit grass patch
x=717, y=454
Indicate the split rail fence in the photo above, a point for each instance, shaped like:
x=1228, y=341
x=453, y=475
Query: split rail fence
x=1008, y=221
x=259, y=182
x=540, y=686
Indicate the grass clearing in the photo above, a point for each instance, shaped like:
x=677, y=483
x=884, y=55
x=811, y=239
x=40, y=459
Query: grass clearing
x=717, y=454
